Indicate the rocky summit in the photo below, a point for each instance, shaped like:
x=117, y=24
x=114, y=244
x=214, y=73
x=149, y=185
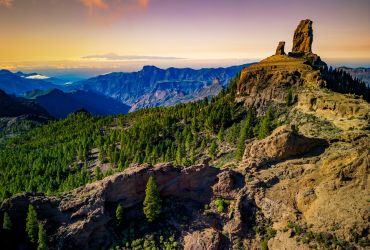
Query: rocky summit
x=302, y=186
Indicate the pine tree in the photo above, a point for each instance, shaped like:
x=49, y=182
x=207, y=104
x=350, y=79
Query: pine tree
x=212, y=149
x=119, y=214
x=245, y=133
x=42, y=238
x=265, y=125
x=7, y=223
x=289, y=97
x=31, y=224
x=152, y=201
x=98, y=174
x=179, y=154
x=221, y=134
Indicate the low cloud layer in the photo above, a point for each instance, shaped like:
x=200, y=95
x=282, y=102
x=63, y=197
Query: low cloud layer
x=115, y=57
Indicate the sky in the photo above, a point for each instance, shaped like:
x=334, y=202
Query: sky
x=126, y=34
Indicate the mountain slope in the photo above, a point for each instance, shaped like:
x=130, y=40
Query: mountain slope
x=18, y=115
x=360, y=73
x=52, y=80
x=60, y=104
x=153, y=87
x=11, y=106
x=13, y=84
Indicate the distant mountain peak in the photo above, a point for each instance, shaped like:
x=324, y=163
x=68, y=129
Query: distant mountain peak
x=150, y=68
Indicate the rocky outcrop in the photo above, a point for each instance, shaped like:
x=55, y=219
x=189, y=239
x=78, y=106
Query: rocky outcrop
x=80, y=218
x=207, y=239
x=303, y=37
x=345, y=111
x=269, y=80
x=302, y=44
x=325, y=191
x=283, y=143
x=280, y=49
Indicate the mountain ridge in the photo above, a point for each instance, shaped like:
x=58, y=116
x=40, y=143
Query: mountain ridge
x=60, y=104
x=151, y=80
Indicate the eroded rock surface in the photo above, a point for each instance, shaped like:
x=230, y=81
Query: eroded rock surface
x=79, y=219
x=284, y=142
x=280, y=49
x=207, y=239
x=268, y=81
x=303, y=37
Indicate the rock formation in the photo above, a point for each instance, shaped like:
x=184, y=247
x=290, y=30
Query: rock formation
x=283, y=143
x=268, y=80
x=303, y=38
x=206, y=239
x=280, y=49
x=80, y=218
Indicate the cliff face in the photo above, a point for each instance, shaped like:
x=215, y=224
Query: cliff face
x=311, y=176
x=269, y=80
x=81, y=218
x=303, y=37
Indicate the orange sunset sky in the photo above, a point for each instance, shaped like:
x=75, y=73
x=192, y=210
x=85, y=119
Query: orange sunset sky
x=120, y=33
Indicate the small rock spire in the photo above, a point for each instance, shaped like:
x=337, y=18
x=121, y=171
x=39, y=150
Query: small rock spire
x=280, y=48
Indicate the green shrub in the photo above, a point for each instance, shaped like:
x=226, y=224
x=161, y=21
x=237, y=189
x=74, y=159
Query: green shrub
x=264, y=245
x=221, y=204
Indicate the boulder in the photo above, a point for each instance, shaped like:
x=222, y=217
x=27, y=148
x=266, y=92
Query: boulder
x=283, y=143
x=228, y=184
x=207, y=239
x=280, y=49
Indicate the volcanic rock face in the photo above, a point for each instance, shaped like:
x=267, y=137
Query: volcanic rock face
x=268, y=81
x=80, y=218
x=303, y=37
x=280, y=49
x=284, y=142
x=208, y=239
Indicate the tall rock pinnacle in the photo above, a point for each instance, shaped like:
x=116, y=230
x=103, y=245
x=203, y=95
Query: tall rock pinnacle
x=303, y=37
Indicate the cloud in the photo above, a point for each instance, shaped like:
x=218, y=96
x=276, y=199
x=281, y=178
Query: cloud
x=92, y=4
x=108, y=11
x=115, y=57
x=6, y=3
x=100, y=11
